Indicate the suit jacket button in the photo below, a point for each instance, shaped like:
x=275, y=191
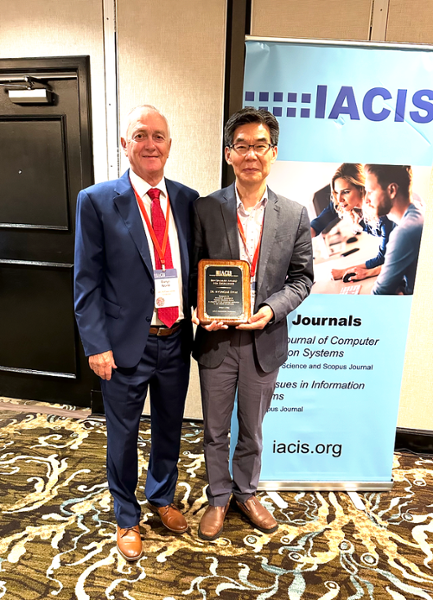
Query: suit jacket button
x=152, y=291
x=148, y=319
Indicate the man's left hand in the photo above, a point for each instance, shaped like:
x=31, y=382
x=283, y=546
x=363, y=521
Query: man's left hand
x=260, y=319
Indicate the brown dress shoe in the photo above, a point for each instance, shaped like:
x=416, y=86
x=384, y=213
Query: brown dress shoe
x=129, y=542
x=171, y=517
x=259, y=516
x=212, y=522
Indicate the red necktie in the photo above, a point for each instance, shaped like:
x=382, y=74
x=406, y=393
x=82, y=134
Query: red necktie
x=170, y=314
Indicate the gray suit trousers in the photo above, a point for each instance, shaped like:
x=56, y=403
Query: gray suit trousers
x=239, y=371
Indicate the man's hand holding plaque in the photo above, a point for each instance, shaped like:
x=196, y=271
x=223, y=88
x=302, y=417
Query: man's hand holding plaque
x=259, y=320
x=224, y=297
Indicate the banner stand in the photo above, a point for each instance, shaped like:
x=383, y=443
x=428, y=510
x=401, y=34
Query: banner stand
x=330, y=486
x=332, y=420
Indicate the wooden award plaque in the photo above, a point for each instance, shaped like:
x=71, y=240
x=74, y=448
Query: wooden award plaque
x=224, y=291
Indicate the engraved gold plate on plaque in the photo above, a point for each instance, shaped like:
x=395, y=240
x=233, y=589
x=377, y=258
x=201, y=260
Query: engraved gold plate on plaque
x=224, y=291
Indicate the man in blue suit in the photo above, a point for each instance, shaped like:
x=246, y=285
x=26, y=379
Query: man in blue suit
x=133, y=239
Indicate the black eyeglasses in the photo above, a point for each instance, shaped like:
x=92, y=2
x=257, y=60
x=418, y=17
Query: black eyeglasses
x=260, y=148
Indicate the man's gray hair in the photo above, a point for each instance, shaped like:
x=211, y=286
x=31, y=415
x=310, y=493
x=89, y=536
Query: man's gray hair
x=141, y=107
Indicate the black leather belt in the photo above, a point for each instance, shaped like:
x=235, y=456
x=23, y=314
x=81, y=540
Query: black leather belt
x=163, y=331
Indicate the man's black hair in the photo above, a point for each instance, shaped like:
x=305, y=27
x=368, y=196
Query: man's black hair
x=250, y=114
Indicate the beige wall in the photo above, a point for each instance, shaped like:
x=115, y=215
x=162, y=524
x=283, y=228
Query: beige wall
x=171, y=55
x=315, y=19
x=408, y=21
x=416, y=399
x=412, y=22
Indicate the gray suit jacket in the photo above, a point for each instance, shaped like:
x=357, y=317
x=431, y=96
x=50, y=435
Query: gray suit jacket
x=284, y=272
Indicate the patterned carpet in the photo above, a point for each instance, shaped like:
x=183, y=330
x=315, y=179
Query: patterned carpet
x=58, y=529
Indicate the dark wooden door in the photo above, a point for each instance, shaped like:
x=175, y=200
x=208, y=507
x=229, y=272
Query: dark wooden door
x=45, y=159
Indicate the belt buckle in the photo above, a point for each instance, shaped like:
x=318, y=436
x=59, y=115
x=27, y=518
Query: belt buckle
x=158, y=334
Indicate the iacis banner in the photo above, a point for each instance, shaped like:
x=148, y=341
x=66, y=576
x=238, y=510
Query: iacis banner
x=356, y=132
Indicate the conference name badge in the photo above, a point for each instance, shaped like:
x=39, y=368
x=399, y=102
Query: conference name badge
x=166, y=288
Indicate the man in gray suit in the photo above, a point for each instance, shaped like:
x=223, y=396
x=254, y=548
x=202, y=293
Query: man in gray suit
x=247, y=221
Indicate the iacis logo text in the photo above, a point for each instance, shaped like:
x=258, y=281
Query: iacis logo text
x=376, y=104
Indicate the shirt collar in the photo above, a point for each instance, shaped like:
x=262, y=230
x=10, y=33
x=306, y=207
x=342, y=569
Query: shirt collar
x=142, y=187
x=262, y=202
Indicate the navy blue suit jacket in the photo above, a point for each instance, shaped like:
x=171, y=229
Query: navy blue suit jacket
x=114, y=285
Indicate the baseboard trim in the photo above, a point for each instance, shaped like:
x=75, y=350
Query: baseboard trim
x=415, y=440
x=96, y=403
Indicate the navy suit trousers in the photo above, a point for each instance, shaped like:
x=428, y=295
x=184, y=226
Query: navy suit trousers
x=164, y=369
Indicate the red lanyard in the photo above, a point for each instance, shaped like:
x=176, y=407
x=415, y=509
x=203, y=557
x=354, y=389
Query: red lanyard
x=160, y=251
x=253, y=264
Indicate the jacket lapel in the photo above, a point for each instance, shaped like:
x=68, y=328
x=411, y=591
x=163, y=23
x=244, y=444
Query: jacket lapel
x=270, y=224
x=127, y=206
x=229, y=213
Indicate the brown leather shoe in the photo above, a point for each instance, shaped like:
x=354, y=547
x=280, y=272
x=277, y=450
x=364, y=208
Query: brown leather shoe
x=171, y=517
x=212, y=522
x=259, y=516
x=129, y=542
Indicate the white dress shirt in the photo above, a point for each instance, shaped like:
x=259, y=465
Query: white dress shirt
x=142, y=187
x=252, y=222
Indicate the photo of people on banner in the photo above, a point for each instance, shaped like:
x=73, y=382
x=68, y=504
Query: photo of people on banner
x=367, y=231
